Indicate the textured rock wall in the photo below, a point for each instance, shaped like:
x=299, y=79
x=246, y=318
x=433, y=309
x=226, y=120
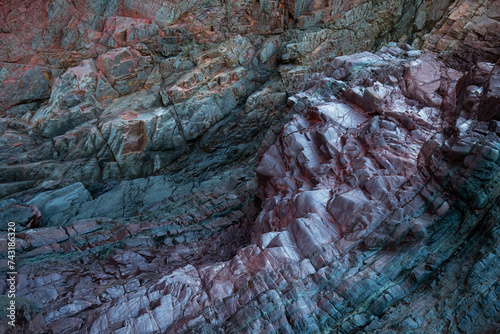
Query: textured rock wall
x=187, y=167
x=377, y=198
x=468, y=33
x=81, y=76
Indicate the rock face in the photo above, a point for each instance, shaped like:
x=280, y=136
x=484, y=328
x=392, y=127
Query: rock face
x=253, y=166
x=468, y=33
x=104, y=91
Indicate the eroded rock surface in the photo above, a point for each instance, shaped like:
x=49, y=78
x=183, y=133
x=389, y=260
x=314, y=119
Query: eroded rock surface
x=177, y=167
x=469, y=32
x=370, y=190
x=96, y=91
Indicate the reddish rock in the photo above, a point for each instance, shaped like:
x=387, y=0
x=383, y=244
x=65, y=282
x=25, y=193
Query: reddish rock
x=132, y=131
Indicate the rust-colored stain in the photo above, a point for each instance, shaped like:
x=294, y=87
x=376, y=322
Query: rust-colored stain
x=135, y=138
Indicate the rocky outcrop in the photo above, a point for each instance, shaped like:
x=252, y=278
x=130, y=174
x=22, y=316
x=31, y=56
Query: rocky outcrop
x=79, y=76
x=468, y=33
x=179, y=167
x=372, y=189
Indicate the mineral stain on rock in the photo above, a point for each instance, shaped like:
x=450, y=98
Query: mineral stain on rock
x=251, y=166
x=135, y=138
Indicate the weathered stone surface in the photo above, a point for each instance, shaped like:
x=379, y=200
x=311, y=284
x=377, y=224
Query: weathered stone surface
x=188, y=167
x=25, y=85
x=468, y=32
x=96, y=60
x=56, y=205
x=490, y=105
x=341, y=183
x=24, y=216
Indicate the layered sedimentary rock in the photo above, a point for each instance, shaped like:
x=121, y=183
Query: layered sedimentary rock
x=95, y=91
x=468, y=33
x=234, y=167
x=370, y=191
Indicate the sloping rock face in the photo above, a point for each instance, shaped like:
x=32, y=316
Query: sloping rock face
x=380, y=195
x=468, y=33
x=187, y=167
x=96, y=90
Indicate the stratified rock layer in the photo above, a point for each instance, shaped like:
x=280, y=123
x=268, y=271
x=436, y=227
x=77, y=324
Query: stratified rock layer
x=469, y=32
x=371, y=189
x=97, y=91
x=179, y=167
